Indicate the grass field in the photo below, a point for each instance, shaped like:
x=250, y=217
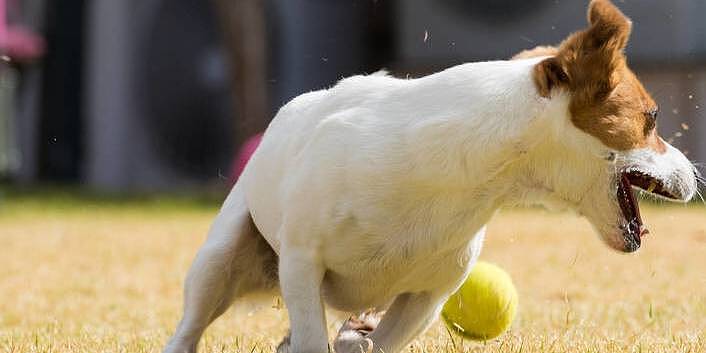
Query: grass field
x=88, y=275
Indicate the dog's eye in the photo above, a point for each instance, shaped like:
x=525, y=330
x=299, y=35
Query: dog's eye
x=651, y=120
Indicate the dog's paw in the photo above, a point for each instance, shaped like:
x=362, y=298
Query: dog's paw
x=353, y=335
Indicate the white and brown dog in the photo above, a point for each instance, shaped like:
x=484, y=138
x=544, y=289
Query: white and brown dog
x=375, y=193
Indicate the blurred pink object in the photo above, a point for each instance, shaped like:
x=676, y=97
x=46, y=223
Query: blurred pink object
x=243, y=156
x=17, y=42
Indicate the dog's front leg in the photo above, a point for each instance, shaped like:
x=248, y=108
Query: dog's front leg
x=408, y=316
x=300, y=279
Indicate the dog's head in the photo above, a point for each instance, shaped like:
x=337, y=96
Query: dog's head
x=608, y=143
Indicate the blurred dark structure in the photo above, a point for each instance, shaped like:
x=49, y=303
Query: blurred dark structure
x=61, y=112
x=158, y=105
x=243, y=26
x=158, y=94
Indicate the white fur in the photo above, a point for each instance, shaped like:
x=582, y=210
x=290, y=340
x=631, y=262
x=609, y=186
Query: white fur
x=375, y=193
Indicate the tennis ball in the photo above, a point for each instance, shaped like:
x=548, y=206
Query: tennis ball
x=485, y=305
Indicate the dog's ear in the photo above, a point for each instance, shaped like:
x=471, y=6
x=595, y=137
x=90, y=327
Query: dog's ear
x=586, y=62
x=610, y=28
x=598, y=51
x=548, y=75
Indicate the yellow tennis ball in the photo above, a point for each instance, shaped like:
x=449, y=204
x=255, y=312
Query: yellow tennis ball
x=485, y=305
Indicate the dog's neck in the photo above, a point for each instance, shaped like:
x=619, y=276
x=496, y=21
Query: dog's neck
x=485, y=131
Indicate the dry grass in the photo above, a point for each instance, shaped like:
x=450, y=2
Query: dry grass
x=93, y=277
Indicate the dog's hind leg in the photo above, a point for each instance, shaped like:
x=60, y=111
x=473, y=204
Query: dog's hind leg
x=235, y=260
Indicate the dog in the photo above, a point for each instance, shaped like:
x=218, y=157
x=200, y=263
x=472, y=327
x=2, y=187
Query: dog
x=375, y=193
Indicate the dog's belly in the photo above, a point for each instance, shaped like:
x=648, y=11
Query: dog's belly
x=375, y=282
x=352, y=294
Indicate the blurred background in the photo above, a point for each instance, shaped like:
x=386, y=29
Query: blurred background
x=123, y=123
x=159, y=95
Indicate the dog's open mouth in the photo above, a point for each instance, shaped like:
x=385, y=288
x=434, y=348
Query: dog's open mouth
x=634, y=230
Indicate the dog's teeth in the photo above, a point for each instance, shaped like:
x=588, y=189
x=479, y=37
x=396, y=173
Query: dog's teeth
x=653, y=185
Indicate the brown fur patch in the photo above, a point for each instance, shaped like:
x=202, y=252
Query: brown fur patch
x=607, y=99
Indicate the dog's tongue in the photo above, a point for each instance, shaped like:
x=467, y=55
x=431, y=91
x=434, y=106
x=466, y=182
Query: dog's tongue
x=630, y=208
